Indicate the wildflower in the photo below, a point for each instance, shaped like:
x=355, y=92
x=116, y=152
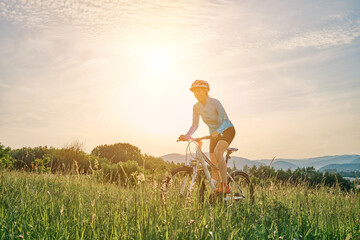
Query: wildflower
x=62, y=210
x=280, y=238
x=21, y=236
x=76, y=167
x=272, y=186
x=140, y=178
x=96, y=164
x=154, y=185
x=192, y=221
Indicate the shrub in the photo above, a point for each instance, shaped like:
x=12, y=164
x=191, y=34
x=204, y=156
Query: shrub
x=6, y=161
x=26, y=156
x=41, y=165
x=118, y=152
x=124, y=173
x=308, y=175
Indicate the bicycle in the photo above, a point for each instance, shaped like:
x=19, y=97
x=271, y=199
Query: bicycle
x=182, y=181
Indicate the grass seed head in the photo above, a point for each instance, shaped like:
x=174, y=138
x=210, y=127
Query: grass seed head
x=140, y=178
x=62, y=210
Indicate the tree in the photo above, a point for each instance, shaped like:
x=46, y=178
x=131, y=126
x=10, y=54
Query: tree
x=26, y=156
x=6, y=161
x=118, y=152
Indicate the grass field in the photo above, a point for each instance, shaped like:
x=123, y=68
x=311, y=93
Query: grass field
x=47, y=206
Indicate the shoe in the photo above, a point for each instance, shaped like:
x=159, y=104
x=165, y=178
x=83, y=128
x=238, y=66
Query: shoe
x=223, y=189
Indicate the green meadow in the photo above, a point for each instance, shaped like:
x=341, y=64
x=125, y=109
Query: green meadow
x=57, y=206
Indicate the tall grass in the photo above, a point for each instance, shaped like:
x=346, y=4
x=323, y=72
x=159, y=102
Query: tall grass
x=49, y=206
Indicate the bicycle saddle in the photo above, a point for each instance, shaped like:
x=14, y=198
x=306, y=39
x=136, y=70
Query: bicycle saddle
x=232, y=150
x=228, y=152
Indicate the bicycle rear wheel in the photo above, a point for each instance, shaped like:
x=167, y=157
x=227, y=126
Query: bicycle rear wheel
x=241, y=187
x=181, y=185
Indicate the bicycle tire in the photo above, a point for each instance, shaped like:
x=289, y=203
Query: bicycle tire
x=243, y=181
x=176, y=187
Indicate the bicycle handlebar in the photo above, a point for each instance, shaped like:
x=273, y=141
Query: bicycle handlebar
x=194, y=139
x=198, y=140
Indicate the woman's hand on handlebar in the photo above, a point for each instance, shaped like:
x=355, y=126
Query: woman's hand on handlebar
x=183, y=138
x=187, y=138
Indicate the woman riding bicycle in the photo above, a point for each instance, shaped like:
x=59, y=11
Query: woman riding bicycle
x=221, y=129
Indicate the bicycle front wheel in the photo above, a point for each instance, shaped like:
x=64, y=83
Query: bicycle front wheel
x=181, y=185
x=241, y=187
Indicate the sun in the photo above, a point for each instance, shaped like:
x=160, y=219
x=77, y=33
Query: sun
x=155, y=58
x=159, y=60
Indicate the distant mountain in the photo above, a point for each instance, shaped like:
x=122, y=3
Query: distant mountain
x=240, y=162
x=174, y=157
x=357, y=160
x=341, y=167
x=179, y=158
x=319, y=163
x=284, y=165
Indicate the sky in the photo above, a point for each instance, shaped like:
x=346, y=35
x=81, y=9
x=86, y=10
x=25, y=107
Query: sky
x=109, y=71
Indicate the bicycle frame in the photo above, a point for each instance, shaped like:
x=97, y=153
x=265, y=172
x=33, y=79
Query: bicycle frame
x=202, y=161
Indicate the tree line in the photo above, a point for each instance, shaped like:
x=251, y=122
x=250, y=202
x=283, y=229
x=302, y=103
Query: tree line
x=306, y=175
x=119, y=162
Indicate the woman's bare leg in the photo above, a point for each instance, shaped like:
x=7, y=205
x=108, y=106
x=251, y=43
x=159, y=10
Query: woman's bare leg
x=215, y=174
x=220, y=148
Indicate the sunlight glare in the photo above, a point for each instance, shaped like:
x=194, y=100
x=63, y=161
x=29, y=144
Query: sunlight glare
x=159, y=62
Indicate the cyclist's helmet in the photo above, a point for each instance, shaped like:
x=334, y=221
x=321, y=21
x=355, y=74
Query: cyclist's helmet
x=200, y=84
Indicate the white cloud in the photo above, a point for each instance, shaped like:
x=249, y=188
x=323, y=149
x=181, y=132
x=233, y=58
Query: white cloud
x=227, y=25
x=335, y=35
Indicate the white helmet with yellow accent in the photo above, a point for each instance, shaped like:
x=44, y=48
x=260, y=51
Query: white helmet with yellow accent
x=200, y=84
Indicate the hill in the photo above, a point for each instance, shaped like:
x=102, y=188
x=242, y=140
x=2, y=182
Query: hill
x=239, y=162
x=319, y=163
x=357, y=160
x=284, y=165
x=174, y=157
x=347, y=167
